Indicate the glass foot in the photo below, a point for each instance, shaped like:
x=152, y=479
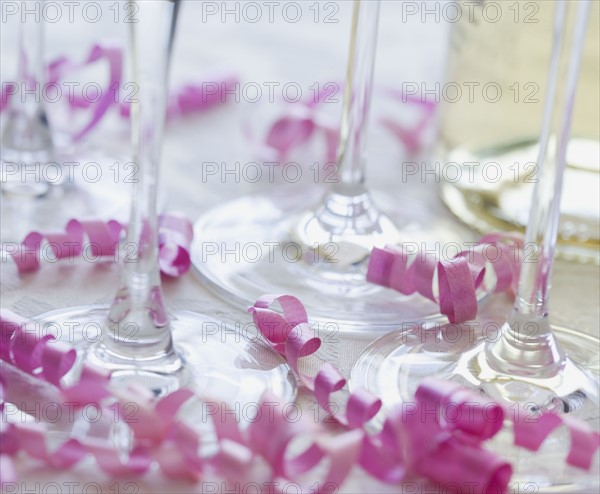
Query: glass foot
x=338, y=237
x=276, y=244
x=210, y=358
x=393, y=366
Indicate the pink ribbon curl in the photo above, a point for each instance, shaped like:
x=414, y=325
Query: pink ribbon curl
x=187, y=99
x=159, y=435
x=8, y=444
x=195, y=97
x=292, y=337
x=302, y=123
x=113, y=56
x=37, y=354
x=100, y=239
x=417, y=439
x=458, y=279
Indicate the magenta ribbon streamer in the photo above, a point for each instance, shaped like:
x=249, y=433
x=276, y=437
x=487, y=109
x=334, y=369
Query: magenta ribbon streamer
x=413, y=441
x=459, y=278
x=190, y=98
x=114, y=57
x=193, y=98
x=101, y=239
x=296, y=128
x=417, y=439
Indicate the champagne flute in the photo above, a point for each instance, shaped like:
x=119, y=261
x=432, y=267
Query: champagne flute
x=140, y=342
x=320, y=253
x=42, y=184
x=531, y=366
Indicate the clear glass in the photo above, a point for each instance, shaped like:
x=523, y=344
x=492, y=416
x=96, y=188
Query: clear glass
x=320, y=253
x=478, y=127
x=42, y=183
x=26, y=136
x=141, y=342
x=530, y=366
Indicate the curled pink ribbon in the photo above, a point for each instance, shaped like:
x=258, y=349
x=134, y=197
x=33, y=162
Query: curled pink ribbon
x=8, y=443
x=159, y=435
x=190, y=98
x=298, y=126
x=293, y=130
x=292, y=337
x=458, y=278
x=40, y=355
x=101, y=239
x=159, y=438
x=113, y=55
x=195, y=97
x=417, y=439
x=175, y=236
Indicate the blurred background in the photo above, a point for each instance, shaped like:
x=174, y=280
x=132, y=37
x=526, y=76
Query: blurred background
x=305, y=47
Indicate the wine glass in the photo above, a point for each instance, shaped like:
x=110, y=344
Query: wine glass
x=44, y=176
x=280, y=244
x=140, y=342
x=531, y=366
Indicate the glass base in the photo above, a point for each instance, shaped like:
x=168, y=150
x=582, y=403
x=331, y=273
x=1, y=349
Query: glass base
x=498, y=197
x=45, y=197
x=336, y=239
x=275, y=244
x=393, y=366
x=210, y=358
x=27, y=138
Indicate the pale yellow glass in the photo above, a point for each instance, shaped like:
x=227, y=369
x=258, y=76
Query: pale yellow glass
x=513, y=54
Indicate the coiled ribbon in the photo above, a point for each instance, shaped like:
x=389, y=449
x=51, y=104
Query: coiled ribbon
x=413, y=440
x=303, y=122
x=190, y=98
x=458, y=279
x=175, y=234
x=416, y=439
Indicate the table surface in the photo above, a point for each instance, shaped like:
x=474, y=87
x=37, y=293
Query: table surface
x=304, y=53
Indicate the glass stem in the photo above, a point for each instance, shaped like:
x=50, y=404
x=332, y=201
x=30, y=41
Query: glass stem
x=528, y=330
x=27, y=137
x=352, y=149
x=347, y=215
x=138, y=325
